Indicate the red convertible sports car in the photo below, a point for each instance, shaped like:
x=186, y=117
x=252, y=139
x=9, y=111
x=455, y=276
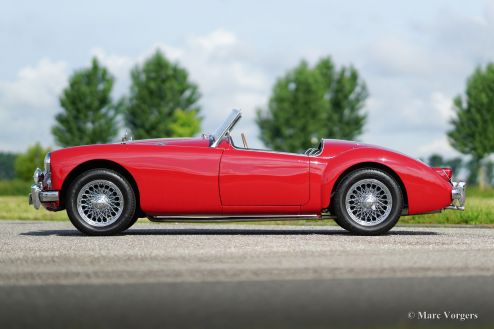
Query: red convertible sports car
x=106, y=188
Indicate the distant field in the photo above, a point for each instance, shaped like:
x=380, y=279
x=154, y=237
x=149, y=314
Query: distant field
x=480, y=210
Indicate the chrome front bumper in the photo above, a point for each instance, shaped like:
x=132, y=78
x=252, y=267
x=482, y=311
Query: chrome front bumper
x=458, y=196
x=42, y=179
x=37, y=196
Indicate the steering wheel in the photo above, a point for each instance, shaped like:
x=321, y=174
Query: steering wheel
x=244, y=140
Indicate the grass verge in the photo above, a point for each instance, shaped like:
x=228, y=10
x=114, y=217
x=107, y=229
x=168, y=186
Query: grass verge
x=17, y=207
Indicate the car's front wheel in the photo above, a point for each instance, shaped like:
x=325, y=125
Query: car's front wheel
x=368, y=201
x=100, y=202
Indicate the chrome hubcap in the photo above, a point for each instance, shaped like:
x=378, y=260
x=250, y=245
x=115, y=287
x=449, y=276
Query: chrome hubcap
x=100, y=203
x=368, y=202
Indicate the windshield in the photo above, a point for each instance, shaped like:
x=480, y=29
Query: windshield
x=225, y=127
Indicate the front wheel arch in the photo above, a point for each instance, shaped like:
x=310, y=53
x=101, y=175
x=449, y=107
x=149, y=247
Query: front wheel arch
x=101, y=164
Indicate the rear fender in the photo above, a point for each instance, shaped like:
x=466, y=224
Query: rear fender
x=425, y=189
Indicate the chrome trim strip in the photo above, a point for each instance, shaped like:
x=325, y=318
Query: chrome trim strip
x=47, y=162
x=455, y=208
x=228, y=218
x=49, y=196
x=265, y=151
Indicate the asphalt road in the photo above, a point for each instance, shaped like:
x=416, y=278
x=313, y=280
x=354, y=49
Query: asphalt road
x=244, y=276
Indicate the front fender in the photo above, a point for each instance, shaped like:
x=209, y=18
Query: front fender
x=426, y=190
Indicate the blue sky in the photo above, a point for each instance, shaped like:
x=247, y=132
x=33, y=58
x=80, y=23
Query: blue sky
x=414, y=56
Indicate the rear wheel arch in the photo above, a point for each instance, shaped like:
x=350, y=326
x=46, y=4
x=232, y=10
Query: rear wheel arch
x=101, y=164
x=369, y=165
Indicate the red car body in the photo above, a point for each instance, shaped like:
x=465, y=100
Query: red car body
x=187, y=176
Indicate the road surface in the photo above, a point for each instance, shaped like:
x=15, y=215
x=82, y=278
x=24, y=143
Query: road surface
x=244, y=276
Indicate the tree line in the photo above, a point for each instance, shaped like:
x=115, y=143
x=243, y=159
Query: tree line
x=306, y=103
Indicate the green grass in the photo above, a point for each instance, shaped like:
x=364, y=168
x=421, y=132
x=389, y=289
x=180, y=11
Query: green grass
x=17, y=207
x=479, y=210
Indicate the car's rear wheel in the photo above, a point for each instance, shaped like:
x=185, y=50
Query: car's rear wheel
x=368, y=201
x=101, y=202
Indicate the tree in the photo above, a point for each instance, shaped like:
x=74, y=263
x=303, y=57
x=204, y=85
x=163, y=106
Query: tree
x=489, y=168
x=473, y=169
x=184, y=123
x=27, y=162
x=309, y=103
x=89, y=116
x=435, y=160
x=7, y=165
x=473, y=126
x=162, y=101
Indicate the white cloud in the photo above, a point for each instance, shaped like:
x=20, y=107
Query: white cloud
x=29, y=103
x=118, y=65
x=228, y=77
x=34, y=86
x=391, y=55
x=438, y=146
x=443, y=105
x=414, y=77
x=215, y=42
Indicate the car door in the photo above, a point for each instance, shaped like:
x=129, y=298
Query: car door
x=263, y=178
x=175, y=180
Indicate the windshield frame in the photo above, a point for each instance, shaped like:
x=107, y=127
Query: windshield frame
x=225, y=127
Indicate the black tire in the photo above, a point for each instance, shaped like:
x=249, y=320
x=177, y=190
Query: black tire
x=132, y=222
x=117, y=188
x=379, y=220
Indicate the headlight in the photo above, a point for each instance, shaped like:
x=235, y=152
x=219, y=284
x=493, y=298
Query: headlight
x=47, y=162
x=38, y=176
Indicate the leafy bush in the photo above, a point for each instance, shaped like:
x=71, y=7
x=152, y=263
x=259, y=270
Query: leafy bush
x=15, y=187
x=27, y=162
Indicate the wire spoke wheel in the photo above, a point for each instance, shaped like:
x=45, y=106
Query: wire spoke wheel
x=100, y=203
x=368, y=202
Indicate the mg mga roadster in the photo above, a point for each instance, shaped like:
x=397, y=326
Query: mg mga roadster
x=105, y=188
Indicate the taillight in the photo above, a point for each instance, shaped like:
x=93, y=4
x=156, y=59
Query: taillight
x=445, y=172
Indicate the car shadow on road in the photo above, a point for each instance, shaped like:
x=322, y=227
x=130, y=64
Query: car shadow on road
x=224, y=231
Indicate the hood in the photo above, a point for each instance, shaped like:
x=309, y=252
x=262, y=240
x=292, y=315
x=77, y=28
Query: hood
x=97, y=148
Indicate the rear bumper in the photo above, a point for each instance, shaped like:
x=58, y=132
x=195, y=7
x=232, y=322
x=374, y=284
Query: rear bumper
x=458, y=196
x=38, y=196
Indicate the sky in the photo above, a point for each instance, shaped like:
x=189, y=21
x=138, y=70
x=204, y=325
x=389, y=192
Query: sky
x=414, y=56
